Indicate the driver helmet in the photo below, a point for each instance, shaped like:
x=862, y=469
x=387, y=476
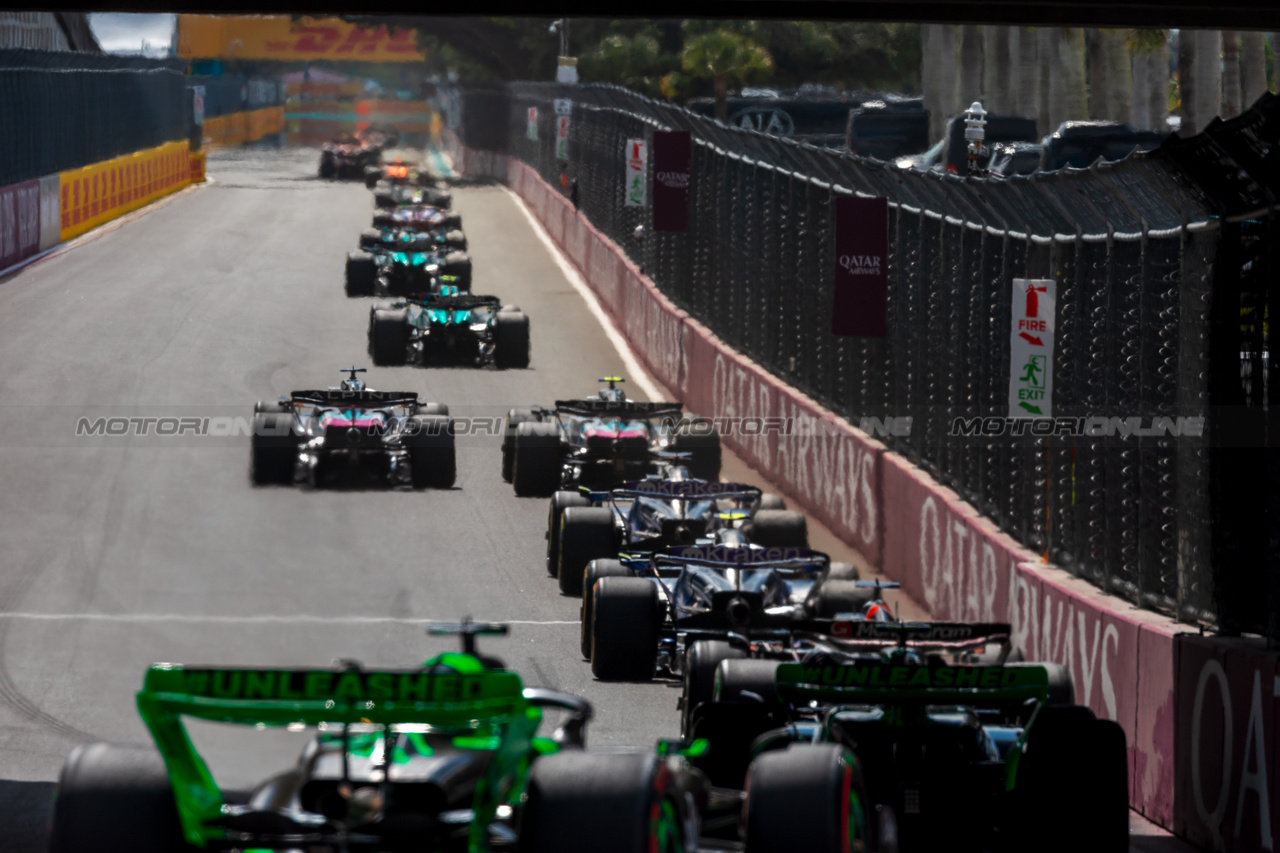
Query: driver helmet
x=353, y=385
x=876, y=611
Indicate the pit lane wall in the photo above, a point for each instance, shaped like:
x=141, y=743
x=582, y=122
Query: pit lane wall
x=37, y=215
x=951, y=559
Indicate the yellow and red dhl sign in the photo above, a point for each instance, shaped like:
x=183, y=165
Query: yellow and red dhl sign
x=100, y=192
x=281, y=37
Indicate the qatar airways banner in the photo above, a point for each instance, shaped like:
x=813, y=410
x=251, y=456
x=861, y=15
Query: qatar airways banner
x=862, y=265
x=672, y=163
x=19, y=222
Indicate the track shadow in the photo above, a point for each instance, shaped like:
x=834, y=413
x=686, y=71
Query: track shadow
x=25, y=810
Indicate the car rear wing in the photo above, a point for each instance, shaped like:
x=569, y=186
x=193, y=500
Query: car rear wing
x=337, y=396
x=873, y=683
x=724, y=557
x=616, y=408
x=920, y=635
x=443, y=696
x=678, y=490
x=457, y=302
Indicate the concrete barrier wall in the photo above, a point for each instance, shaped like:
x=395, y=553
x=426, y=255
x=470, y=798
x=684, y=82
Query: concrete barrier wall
x=238, y=128
x=947, y=556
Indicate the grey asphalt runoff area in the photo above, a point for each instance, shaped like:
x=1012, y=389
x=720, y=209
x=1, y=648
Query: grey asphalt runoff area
x=123, y=551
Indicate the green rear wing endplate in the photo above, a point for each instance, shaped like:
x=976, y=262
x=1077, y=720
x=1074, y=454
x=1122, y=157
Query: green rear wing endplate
x=445, y=697
x=886, y=683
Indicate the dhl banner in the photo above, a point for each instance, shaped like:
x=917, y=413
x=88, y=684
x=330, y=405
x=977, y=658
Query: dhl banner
x=281, y=37
x=100, y=192
x=238, y=128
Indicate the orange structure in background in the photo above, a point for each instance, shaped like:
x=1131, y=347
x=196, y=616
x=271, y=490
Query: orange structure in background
x=282, y=38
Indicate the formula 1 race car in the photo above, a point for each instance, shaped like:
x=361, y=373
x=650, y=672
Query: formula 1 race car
x=393, y=238
x=906, y=746
x=602, y=441
x=449, y=327
x=662, y=511
x=642, y=613
x=391, y=196
x=316, y=436
x=441, y=757
x=419, y=218
x=407, y=263
x=351, y=155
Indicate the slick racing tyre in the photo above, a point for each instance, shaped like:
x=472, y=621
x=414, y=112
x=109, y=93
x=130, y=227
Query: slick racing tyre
x=560, y=501
x=328, y=169
x=831, y=598
x=382, y=219
x=586, y=534
x=1071, y=789
x=370, y=238
x=115, y=799
x=362, y=274
x=371, y=176
x=576, y=799
x=452, y=220
x=515, y=417
x=625, y=620
x=841, y=572
x=747, y=680
x=778, y=528
x=389, y=336
x=702, y=442
x=596, y=570
x=432, y=459
x=511, y=339
x=537, y=459
x=458, y=266
x=768, y=501
x=433, y=409
x=700, y=664
x=273, y=449
x=272, y=407
x=384, y=200
x=1062, y=690
x=455, y=240
x=807, y=797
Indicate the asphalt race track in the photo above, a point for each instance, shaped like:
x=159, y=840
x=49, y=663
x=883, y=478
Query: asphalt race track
x=119, y=551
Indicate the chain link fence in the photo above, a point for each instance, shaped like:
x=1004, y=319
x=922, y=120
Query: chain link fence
x=1146, y=326
x=63, y=109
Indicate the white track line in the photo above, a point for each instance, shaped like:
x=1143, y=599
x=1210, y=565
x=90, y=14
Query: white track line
x=137, y=618
x=634, y=371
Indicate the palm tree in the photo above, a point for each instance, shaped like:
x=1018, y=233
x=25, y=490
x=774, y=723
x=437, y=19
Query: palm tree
x=725, y=58
x=1026, y=71
x=938, y=77
x=997, y=89
x=1062, y=76
x=1253, y=67
x=1118, y=83
x=1149, y=51
x=971, y=66
x=1199, y=78
x=631, y=62
x=1230, y=73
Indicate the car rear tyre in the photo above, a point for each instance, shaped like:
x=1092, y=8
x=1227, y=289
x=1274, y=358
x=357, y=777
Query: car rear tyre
x=115, y=799
x=842, y=572
x=831, y=598
x=1062, y=690
x=747, y=680
x=624, y=629
x=768, y=501
x=362, y=274
x=535, y=468
x=702, y=443
x=458, y=265
x=596, y=570
x=560, y=501
x=586, y=534
x=515, y=417
x=456, y=240
x=432, y=458
x=388, y=336
x=807, y=797
x=700, y=665
x=779, y=528
x=270, y=407
x=511, y=339
x=384, y=200
x=577, y=799
x=1071, y=787
x=369, y=238
x=273, y=449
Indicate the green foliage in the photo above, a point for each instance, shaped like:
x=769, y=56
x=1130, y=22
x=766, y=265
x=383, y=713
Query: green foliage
x=726, y=58
x=649, y=55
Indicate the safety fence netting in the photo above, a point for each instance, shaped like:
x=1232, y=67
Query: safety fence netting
x=1147, y=502
x=62, y=109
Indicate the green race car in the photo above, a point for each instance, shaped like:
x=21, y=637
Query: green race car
x=402, y=262
x=449, y=327
x=441, y=757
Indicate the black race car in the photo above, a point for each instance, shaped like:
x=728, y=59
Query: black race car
x=402, y=263
x=913, y=737
x=449, y=327
x=390, y=196
x=319, y=436
x=603, y=441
